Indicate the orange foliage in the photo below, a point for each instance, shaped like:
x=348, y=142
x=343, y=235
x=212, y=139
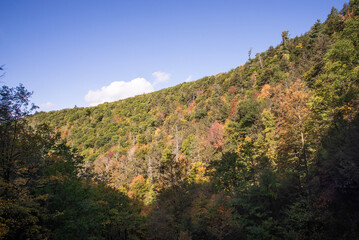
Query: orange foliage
x=65, y=133
x=138, y=178
x=292, y=108
x=266, y=91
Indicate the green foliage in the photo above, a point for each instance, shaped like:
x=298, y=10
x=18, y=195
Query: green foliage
x=254, y=153
x=247, y=113
x=232, y=172
x=333, y=23
x=200, y=113
x=41, y=195
x=139, y=188
x=188, y=145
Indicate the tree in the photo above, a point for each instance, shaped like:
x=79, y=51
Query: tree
x=292, y=109
x=338, y=169
x=234, y=171
x=21, y=161
x=267, y=141
x=198, y=174
x=138, y=188
x=334, y=22
x=285, y=38
x=171, y=170
x=14, y=106
x=215, y=135
x=41, y=194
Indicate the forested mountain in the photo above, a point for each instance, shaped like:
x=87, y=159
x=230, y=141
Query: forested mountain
x=268, y=150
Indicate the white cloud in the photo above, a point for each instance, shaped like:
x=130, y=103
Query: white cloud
x=118, y=90
x=161, y=77
x=46, y=106
x=189, y=78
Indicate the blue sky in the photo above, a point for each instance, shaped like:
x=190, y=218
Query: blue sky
x=83, y=52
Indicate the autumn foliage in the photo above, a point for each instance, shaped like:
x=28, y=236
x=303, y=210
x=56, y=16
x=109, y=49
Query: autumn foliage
x=268, y=150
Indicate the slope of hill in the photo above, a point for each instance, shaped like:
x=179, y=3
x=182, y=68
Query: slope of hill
x=137, y=129
x=266, y=150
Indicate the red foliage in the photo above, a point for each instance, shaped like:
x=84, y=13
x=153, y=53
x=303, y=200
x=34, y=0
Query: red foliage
x=256, y=94
x=110, y=155
x=220, y=216
x=232, y=90
x=191, y=106
x=215, y=135
x=233, y=106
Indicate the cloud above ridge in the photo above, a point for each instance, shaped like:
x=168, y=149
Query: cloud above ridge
x=46, y=106
x=119, y=90
x=189, y=79
x=160, y=77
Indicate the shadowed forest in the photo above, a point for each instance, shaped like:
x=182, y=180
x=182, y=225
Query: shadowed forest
x=268, y=150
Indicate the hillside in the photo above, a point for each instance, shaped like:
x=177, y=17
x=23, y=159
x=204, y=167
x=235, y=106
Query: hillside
x=268, y=150
x=182, y=118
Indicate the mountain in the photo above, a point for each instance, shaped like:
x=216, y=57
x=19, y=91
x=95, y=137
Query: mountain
x=187, y=118
x=268, y=150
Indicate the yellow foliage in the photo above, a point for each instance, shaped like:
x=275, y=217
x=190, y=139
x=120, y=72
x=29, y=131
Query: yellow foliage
x=285, y=57
x=198, y=173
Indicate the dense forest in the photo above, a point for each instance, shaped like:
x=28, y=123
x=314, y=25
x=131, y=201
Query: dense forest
x=268, y=150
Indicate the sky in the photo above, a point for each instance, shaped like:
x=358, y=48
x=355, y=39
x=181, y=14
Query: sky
x=85, y=52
